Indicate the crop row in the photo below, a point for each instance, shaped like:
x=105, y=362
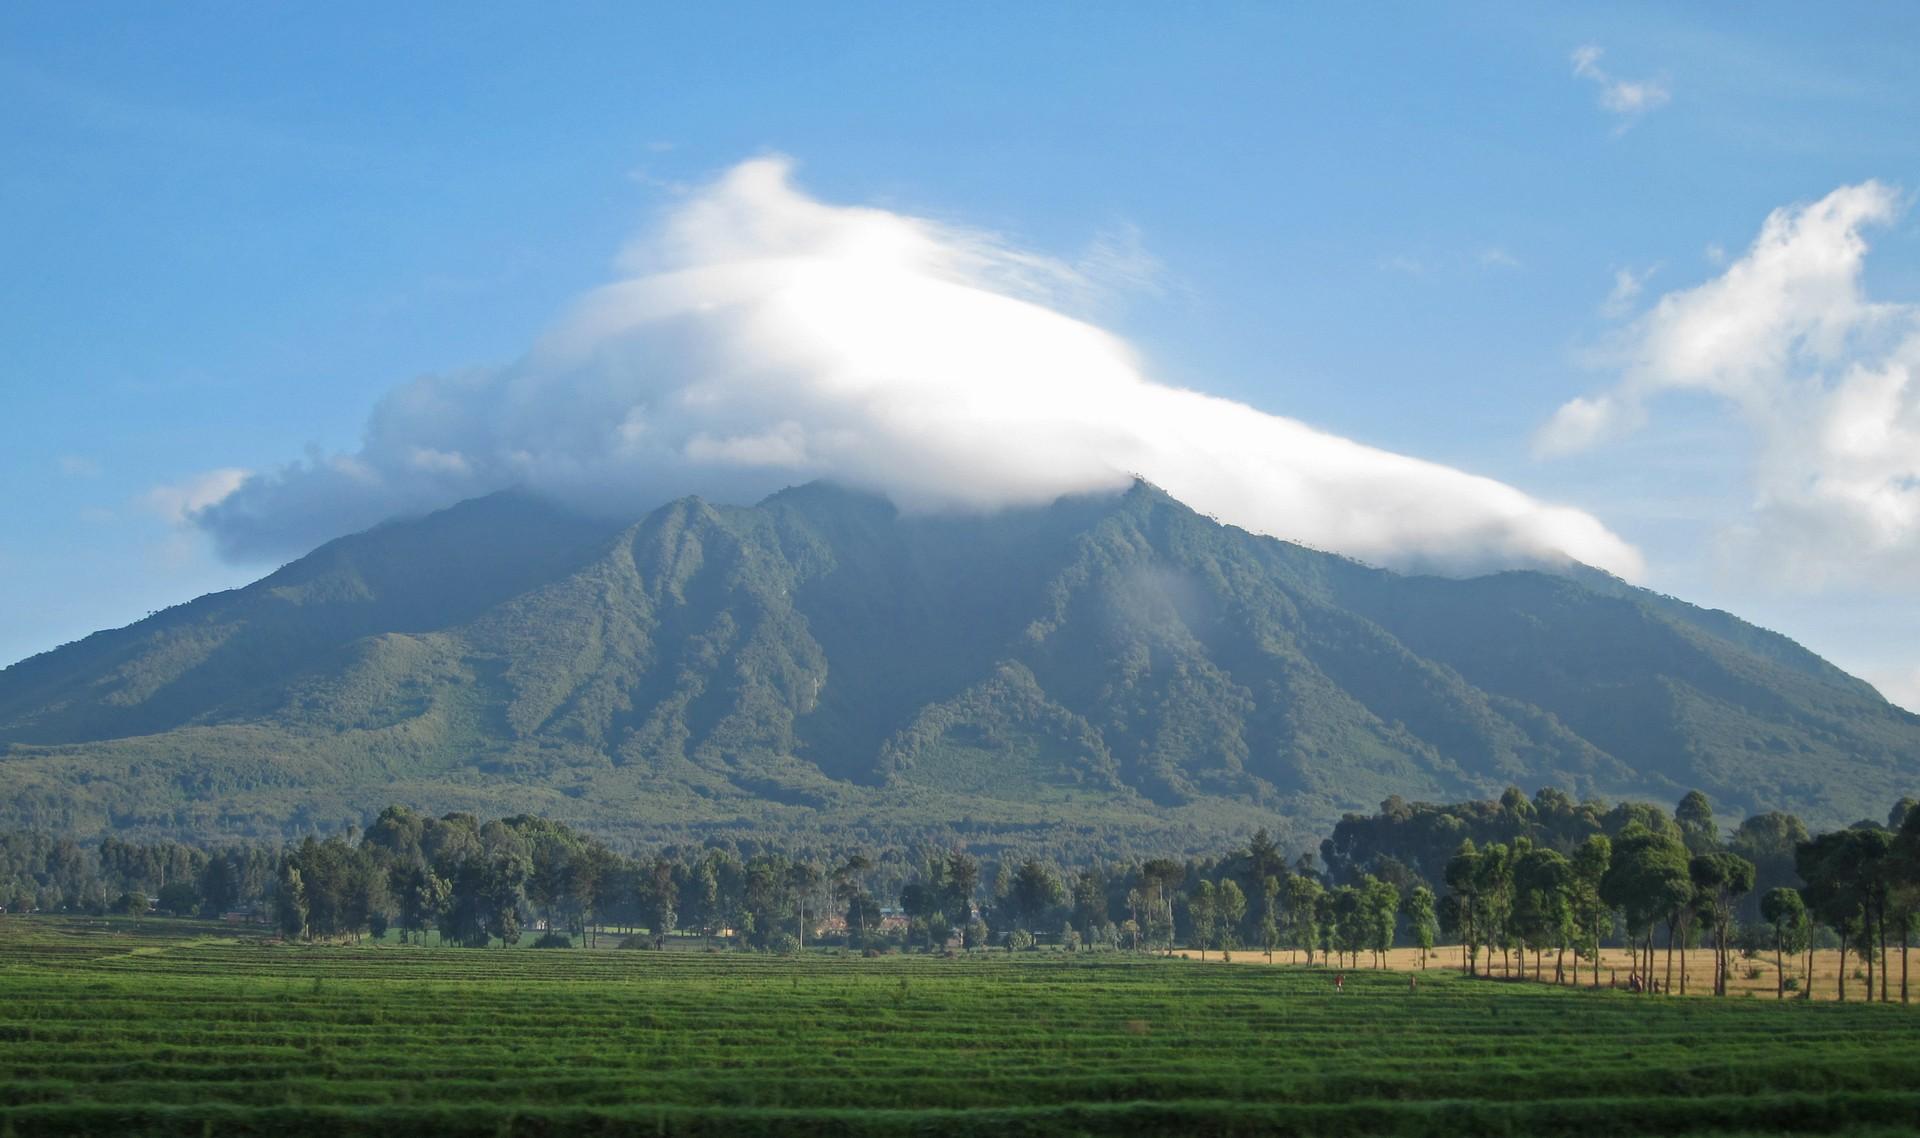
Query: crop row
x=106, y=1034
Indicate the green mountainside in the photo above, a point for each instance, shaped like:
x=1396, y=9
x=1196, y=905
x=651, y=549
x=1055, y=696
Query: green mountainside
x=1115, y=665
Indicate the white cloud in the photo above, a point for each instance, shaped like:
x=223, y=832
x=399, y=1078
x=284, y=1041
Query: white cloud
x=1827, y=379
x=1498, y=258
x=79, y=466
x=1627, y=98
x=182, y=502
x=1627, y=286
x=763, y=338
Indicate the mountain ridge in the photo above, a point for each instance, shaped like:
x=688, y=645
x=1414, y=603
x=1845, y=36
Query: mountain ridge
x=820, y=660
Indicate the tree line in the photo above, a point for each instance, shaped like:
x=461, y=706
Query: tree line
x=1502, y=879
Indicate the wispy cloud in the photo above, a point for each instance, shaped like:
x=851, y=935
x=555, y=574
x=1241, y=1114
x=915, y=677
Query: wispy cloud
x=1494, y=257
x=1628, y=99
x=180, y=502
x=1627, y=286
x=79, y=466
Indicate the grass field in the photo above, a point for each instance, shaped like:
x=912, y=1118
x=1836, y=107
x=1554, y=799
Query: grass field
x=108, y=1028
x=1756, y=978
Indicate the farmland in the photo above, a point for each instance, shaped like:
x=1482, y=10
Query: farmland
x=162, y=1028
x=1751, y=978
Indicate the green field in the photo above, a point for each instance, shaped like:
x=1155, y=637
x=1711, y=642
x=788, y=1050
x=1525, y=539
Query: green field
x=112, y=1028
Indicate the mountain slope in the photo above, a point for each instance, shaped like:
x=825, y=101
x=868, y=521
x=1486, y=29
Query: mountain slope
x=1116, y=663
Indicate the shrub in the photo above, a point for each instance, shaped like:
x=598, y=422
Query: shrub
x=553, y=940
x=783, y=944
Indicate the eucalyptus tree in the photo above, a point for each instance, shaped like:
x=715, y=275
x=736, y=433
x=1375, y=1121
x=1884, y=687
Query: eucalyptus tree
x=1417, y=907
x=1543, y=906
x=1379, y=911
x=1494, y=881
x=1089, y=902
x=1720, y=879
x=1230, y=908
x=1203, y=914
x=1590, y=910
x=1647, y=881
x=1784, y=910
x=1305, y=900
x=1694, y=816
x=1269, y=915
x=1463, y=879
x=1846, y=872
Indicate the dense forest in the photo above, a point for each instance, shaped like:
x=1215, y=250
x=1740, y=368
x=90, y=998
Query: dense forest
x=1501, y=879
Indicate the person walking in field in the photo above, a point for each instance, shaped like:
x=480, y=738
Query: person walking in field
x=1339, y=982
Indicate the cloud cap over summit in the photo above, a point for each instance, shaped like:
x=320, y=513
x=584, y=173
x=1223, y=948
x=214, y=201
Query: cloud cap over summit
x=762, y=338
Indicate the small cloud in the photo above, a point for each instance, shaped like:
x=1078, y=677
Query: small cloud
x=181, y=501
x=660, y=146
x=1494, y=257
x=1627, y=98
x=1411, y=266
x=79, y=466
x=1715, y=254
x=1581, y=424
x=641, y=176
x=98, y=516
x=1627, y=286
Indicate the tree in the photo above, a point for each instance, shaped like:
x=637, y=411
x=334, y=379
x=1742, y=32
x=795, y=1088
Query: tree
x=180, y=898
x=1035, y=890
x=290, y=903
x=803, y=877
x=1204, y=914
x=1463, y=879
x=1543, y=905
x=1159, y=877
x=1494, y=892
x=1694, y=816
x=1344, y=918
x=1303, y=912
x=1846, y=872
x=1089, y=902
x=1379, y=911
x=1720, y=879
x=1269, y=915
x=1230, y=907
x=1906, y=895
x=1591, y=910
x=1421, y=922
x=1647, y=880
x=863, y=913
x=132, y=903
x=1783, y=909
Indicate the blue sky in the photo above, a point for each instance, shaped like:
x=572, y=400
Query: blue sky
x=229, y=232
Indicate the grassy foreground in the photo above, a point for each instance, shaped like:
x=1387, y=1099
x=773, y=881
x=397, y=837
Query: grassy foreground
x=109, y=1029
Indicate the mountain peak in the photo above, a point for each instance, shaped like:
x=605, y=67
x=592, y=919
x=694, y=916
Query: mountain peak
x=824, y=660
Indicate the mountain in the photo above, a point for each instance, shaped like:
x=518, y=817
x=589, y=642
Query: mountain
x=1113, y=665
